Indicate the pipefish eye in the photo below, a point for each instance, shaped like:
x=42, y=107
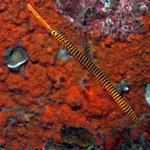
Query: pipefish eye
x=54, y=33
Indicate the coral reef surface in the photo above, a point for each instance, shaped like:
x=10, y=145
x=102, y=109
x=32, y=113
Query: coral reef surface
x=51, y=89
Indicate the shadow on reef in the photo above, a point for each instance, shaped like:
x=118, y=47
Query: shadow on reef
x=79, y=137
x=73, y=137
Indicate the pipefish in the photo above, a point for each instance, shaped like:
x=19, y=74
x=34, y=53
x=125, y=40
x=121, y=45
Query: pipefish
x=91, y=67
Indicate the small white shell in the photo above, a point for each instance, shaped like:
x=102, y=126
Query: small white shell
x=15, y=57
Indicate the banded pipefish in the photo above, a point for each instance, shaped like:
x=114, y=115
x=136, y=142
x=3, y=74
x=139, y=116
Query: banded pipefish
x=90, y=66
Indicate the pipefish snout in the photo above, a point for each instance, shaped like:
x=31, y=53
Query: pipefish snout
x=91, y=67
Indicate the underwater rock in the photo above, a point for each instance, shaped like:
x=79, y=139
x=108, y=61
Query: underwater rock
x=52, y=145
x=131, y=144
x=63, y=55
x=147, y=93
x=102, y=136
x=77, y=136
x=12, y=121
x=122, y=86
x=15, y=57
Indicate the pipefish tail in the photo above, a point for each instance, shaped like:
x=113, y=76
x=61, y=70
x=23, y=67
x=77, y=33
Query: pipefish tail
x=90, y=66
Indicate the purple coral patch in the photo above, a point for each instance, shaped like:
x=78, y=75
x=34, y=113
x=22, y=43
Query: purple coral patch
x=113, y=17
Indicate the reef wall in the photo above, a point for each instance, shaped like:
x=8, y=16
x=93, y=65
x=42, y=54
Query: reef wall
x=51, y=89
